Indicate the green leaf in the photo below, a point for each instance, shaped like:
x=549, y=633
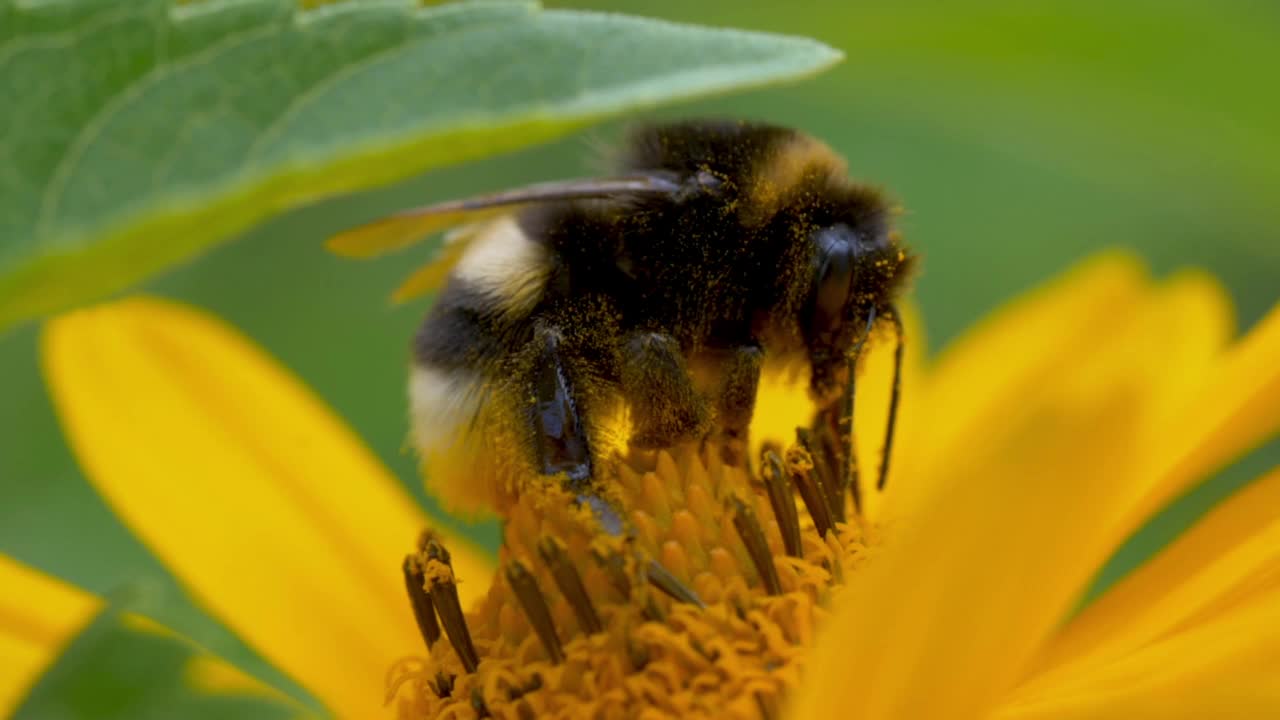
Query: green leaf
x=136, y=133
x=125, y=667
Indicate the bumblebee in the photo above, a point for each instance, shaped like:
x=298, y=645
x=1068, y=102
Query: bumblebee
x=656, y=293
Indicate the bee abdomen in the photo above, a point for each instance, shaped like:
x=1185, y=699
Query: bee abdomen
x=504, y=269
x=479, y=320
x=457, y=354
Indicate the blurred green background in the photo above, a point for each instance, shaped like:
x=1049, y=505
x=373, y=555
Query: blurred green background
x=1020, y=136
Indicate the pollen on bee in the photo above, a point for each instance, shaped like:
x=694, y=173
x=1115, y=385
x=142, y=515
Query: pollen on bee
x=796, y=159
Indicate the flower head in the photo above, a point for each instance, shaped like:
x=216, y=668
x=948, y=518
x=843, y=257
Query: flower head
x=1027, y=453
x=708, y=610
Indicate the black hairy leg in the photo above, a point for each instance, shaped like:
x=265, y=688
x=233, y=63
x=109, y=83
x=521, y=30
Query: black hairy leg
x=560, y=436
x=562, y=444
x=665, y=406
x=736, y=400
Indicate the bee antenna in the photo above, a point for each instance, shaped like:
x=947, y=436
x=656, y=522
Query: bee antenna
x=895, y=318
x=845, y=422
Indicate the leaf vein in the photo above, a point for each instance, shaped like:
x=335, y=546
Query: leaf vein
x=323, y=84
x=57, y=40
x=52, y=195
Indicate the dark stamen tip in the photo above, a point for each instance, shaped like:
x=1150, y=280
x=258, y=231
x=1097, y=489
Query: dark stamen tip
x=535, y=683
x=652, y=610
x=748, y=527
x=435, y=550
x=811, y=490
x=423, y=610
x=570, y=584
x=615, y=568
x=525, y=586
x=614, y=565
x=478, y=704
x=661, y=578
x=444, y=595
x=442, y=685
x=783, y=503
x=637, y=654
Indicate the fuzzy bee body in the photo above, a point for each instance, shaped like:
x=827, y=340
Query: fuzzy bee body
x=661, y=303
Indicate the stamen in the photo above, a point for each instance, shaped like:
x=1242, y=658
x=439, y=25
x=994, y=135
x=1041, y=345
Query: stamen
x=442, y=686
x=615, y=568
x=638, y=654
x=748, y=526
x=534, y=684
x=444, y=595
x=826, y=467
x=570, y=584
x=423, y=611
x=535, y=608
x=768, y=709
x=716, y=548
x=783, y=502
x=652, y=610
x=810, y=486
x=662, y=579
x=828, y=450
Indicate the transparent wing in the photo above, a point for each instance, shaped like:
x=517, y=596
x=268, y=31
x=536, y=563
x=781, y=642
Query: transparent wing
x=405, y=228
x=431, y=276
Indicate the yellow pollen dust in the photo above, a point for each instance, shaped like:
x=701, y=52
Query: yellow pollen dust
x=579, y=623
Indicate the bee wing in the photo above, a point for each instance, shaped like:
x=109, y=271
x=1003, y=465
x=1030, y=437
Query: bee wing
x=432, y=275
x=403, y=229
x=399, y=231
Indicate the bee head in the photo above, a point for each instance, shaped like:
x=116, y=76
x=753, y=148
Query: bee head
x=857, y=269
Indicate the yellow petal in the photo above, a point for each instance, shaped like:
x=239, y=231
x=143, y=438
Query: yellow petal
x=1237, y=409
x=1171, y=346
x=1226, y=556
x=1188, y=322
x=248, y=488
x=1013, y=354
x=1161, y=343
x=38, y=616
x=945, y=619
x=1227, y=669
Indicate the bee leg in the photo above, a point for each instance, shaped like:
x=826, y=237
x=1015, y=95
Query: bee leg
x=736, y=401
x=560, y=436
x=665, y=406
x=562, y=446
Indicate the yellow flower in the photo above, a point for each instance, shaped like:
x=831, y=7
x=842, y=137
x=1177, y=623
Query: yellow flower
x=1026, y=454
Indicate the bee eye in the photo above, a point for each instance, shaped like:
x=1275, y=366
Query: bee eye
x=833, y=274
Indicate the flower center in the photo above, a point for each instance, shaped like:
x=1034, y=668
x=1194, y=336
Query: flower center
x=706, y=608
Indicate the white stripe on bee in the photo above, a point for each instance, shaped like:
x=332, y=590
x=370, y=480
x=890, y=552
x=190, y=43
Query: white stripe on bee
x=505, y=264
x=442, y=406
